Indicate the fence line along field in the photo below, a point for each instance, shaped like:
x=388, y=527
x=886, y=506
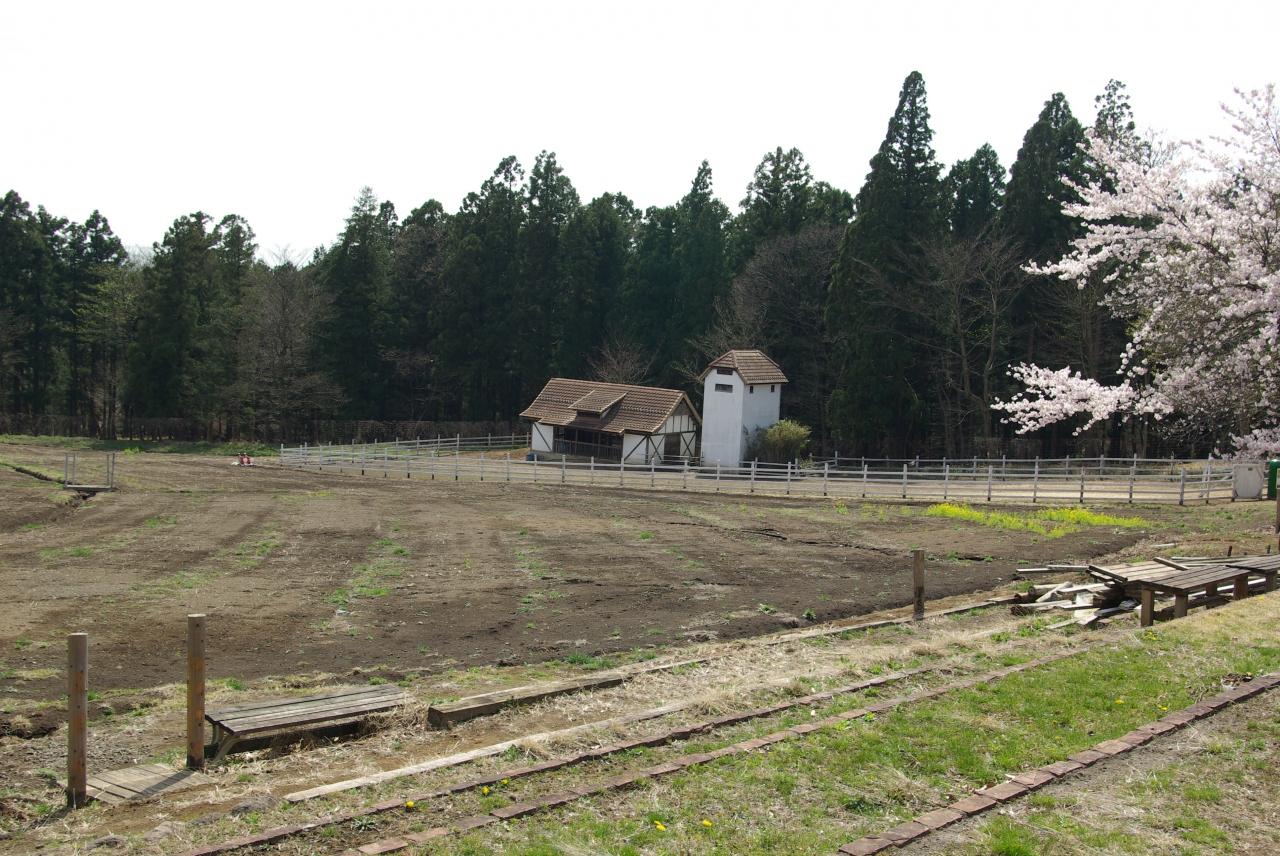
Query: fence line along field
x=1034, y=480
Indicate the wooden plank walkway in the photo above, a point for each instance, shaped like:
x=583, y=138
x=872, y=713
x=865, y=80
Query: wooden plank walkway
x=143, y=782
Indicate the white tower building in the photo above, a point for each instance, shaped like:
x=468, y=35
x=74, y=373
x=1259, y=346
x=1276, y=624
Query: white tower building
x=742, y=393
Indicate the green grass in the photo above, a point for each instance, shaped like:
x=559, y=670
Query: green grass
x=812, y=794
x=370, y=579
x=1049, y=522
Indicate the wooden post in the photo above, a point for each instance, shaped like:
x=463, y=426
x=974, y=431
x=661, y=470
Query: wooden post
x=508, y=467
x=1147, y=613
x=917, y=583
x=622, y=464
x=652, y=461
x=1180, y=603
x=864, y=478
x=482, y=454
x=591, y=478
x=77, y=719
x=457, y=462
x=564, y=464
x=1082, y=468
x=1133, y=474
x=753, y=475
x=946, y=479
x=1208, y=473
x=904, y=480
x=684, y=476
x=989, y=474
x=1240, y=588
x=826, y=473
x=1182, y=487
x=1035, y=482
x=195, y=691
x=788, y=478
x=718, y=484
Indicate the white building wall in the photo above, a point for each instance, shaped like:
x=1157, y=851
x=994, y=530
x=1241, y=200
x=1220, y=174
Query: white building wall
x=760, y=408
x=730, y=418
x=633, y=448
x=542, y=438
x=722, y=419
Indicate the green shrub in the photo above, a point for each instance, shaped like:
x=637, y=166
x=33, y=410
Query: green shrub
x=781, y=442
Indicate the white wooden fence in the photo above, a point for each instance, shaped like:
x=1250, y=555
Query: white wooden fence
x=1060, y=480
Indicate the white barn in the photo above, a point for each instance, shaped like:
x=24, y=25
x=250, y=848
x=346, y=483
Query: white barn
x=742, y=393
x=612, y=422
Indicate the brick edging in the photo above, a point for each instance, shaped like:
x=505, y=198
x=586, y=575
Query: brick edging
x=1022, y=784
x=397, y=843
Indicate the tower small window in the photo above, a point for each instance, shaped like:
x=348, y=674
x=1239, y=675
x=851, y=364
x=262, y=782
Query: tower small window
x=724, y=371
x=724, y=387
x=752, y=388
x=771, y=387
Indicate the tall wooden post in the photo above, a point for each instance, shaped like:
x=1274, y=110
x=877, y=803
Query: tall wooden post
x=917, y=583
x=77, y=719
x=195, y=691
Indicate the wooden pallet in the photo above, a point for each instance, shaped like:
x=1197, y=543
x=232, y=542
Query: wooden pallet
x=140, y=783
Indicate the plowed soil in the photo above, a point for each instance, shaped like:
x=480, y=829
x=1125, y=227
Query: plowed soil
x=303, y=572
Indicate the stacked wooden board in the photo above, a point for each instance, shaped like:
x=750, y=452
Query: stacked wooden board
x=1190, y=580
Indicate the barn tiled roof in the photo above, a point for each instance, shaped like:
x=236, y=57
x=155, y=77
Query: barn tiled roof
x=609, y=407
x=754, y=366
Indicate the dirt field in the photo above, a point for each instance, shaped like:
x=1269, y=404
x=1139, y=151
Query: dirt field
x=303, y=572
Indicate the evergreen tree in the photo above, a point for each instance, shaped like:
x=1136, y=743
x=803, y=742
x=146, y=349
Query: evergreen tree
x=482, y=270
x=597, y=246
x=355, y=276
x=700, y=266
x=976, y=188
x=551, y=204
x=1050, y=157
x=878, y=394
x=417, y=289
x=93, y=254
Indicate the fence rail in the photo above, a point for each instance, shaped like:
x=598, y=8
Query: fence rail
x=1063, y=480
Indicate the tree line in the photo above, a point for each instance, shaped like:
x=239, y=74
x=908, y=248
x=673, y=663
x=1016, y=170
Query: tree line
x=896, y=312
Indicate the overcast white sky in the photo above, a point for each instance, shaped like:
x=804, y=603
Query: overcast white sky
x=282, y=111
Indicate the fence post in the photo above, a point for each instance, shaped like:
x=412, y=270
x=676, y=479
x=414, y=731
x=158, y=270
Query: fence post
x=1082, y=469
x=1182, y=487
x=990, y=470
x=1035, y=482
x=864, y=478
x=457, y=462
x=535, y=469
x=1004, y=467
x=563, y=466
x=684, y=476
x=622, y=468
x=788, y=478
x=195, y=691
x=717, y=476
x=591, y=479
x=1133, y=475
x=457, y=442
x=753, y=475
x=904, y=479
x=917, y=584
x=946, y=479
x=652, y=460
x=508, y=467
x=77, y=719
x=482, y=466
x=1208, y=474
x=826, y=473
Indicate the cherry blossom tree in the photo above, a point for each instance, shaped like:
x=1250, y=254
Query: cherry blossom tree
x=1187, y=238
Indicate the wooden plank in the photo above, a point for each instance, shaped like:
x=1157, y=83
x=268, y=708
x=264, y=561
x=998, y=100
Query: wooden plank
x=451, y=713
x=386, y=689
x=304, y=708
x=282, y=721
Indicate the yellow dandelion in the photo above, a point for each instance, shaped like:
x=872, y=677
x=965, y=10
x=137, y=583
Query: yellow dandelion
x=506, y=781
x=485, y=790
x=659, y=826
x=706, y=823
x=409, y=804
x=1119, y=701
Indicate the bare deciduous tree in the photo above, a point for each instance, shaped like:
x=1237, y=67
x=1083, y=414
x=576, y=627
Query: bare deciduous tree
x=620, y=360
